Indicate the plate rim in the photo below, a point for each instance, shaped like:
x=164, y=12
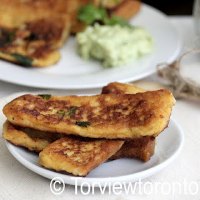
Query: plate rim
x=69, y=179
x=150, y=71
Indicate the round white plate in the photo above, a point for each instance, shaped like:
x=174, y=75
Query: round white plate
x=74, y=73
x=168, y=146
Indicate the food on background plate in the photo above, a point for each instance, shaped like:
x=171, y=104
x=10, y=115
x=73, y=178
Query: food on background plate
x=104, y=11
x=34, y=37
x=114, y=45
x=126, y=9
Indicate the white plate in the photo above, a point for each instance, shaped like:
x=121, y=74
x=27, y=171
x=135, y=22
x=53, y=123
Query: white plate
x=74, y=73
x=168, y=146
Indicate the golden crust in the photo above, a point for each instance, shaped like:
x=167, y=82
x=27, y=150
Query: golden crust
x=102, y=116
x=21, y=138
x=141, y=148
x=78, y=155
x=47, y=59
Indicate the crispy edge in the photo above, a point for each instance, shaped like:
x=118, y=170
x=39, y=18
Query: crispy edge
x=45, y=61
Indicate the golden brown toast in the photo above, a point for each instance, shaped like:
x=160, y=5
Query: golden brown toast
x=32, y=38
x=21, y=138
x=141, y=148
x=32, y=139
x=78, y=156
x=108, y=116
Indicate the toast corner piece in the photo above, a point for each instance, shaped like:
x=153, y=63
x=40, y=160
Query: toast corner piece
x=20, y=138
x=78, y=156
x=161, y=102
x=166, y=101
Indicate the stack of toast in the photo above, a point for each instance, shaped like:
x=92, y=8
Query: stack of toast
x=75, y=134
x=32, y=31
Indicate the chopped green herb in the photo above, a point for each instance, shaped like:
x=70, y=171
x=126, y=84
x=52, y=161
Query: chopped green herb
x=23, y=59
x=72, y=110
x=83, y=123
x=45, y=96
x=6, y=37
x=115, y=20
x=10, y=37
x=90, y=13
x=61, y=113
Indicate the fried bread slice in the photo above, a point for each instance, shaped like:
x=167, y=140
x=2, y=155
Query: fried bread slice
x=34, y=140
x=108, y=116
x=78, y=156
x=140, y=148
x=31, y=139
x=33, y=37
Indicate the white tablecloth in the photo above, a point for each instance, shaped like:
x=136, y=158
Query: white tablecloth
x=19, y=183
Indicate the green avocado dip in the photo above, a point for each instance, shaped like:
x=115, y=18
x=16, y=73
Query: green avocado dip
x=114, y=45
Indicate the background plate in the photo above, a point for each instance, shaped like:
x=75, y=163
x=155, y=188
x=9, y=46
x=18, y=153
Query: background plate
x=74, y=73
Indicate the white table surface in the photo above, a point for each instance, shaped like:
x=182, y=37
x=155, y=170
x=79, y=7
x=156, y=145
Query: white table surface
x=18, y=183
